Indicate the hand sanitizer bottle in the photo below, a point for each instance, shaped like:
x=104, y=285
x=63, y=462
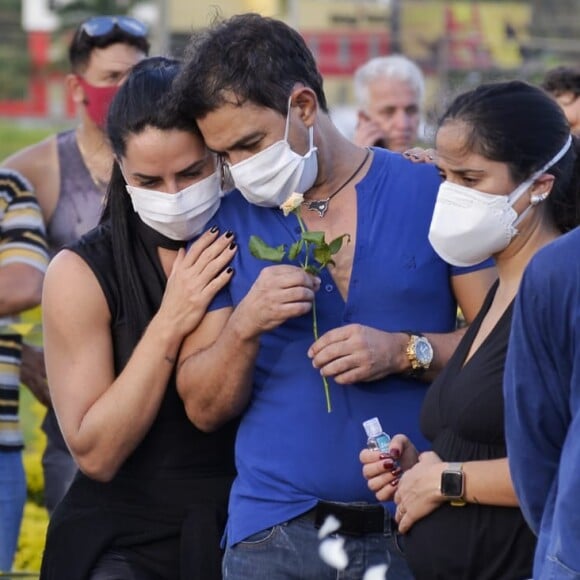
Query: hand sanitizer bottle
x=377, y=439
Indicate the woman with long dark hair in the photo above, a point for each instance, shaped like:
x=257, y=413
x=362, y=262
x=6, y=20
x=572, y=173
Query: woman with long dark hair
x=150, y=499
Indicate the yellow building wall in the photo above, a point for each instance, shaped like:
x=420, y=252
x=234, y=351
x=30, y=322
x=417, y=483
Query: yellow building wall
x=185, y=15
x=423, y=25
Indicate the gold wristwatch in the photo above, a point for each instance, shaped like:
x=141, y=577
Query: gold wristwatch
x=419, y=352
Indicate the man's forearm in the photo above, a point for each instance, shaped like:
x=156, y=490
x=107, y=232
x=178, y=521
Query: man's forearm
x=215, y=382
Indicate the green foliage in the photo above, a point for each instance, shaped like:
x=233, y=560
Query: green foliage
x=34, y=477
x=313, y=243
x=16, y=136
x=259, y=249
x=35, y=520
x=31, y=541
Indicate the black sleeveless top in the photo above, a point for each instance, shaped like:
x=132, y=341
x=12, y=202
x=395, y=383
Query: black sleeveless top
x=463, y=417
x=197, y=453
x=177, y=473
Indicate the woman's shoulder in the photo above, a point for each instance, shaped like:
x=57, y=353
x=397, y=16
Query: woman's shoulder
x=70, y=284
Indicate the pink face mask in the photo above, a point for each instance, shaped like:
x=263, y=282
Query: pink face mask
x=98, y=100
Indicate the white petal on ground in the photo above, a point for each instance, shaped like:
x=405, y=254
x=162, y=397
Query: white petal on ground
x=332, y=552
x=330, y=525
x=376, y=572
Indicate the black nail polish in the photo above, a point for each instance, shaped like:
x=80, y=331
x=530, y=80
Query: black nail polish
x=214, y=229
x=232, y=245
x=229, y=234
x=229, y=270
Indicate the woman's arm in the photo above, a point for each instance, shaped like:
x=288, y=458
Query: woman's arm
x=103, y=418
x=418, y=492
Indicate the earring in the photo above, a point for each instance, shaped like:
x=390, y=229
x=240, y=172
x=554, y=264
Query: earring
x=536, y=199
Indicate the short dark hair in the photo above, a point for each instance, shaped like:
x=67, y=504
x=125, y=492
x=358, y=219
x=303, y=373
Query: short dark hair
x=516, y=123
x=561, y=80
x=258, y=59
x=82, y=45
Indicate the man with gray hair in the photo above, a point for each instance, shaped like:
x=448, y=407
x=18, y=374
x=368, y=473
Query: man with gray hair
x=389, y=91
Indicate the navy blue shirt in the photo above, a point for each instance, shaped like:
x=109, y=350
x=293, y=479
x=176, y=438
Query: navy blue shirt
x=542, y=398
x=290, y=451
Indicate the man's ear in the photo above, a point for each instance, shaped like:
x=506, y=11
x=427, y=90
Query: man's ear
x=305, y=99
x=74, y=89
x=362, y=116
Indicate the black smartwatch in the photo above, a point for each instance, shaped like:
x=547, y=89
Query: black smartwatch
x=453, y=484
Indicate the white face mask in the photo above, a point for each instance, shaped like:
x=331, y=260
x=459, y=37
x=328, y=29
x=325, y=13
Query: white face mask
x=269, y=177
x=182, y=215
x=469, y=226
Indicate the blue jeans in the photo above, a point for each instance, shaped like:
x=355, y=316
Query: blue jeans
x=290, y=551
x=12, y=500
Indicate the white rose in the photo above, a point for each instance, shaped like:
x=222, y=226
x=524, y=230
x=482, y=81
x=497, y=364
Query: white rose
x=293, y=202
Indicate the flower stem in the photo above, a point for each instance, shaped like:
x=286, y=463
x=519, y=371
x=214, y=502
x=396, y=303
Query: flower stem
x=324, y=381
x=300, y=222
x=314, y=319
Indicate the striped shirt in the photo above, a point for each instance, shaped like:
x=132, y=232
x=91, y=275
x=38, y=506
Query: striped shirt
x=22, y=241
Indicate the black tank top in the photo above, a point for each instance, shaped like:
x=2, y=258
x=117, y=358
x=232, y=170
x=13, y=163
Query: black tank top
x=173, y=447
x=164, y=511
x=463, y=417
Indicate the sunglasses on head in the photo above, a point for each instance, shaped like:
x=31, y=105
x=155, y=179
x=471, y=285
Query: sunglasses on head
x=102, y=25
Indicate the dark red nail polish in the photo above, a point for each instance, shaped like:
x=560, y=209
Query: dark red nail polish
x=384, y=456
x=396, y=471
x=395, y=453
x=388, y=464
x=395, y=482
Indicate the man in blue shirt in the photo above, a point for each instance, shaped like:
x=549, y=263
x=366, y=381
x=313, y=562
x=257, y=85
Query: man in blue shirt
x=542, y=399
x=252, y=86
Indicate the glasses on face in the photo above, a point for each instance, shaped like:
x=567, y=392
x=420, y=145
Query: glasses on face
x=102, y=25
x=226, y=179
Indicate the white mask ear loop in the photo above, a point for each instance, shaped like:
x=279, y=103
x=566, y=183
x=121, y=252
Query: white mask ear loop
x=288, y=119
x=517, y=193
x=310, y=129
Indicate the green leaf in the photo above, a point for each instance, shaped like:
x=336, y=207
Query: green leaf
x=336, y=244
x=322, y=255
x=295, y=249
x=316, y=238
x=261, y=250
x=312, y=270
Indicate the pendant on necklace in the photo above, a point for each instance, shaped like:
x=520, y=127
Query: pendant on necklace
x=319, y=205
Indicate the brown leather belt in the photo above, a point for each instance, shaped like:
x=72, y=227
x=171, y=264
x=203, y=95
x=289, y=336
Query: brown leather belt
x=355, y=519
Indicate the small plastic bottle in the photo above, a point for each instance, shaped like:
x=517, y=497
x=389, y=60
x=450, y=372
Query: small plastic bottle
x=377, y=439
